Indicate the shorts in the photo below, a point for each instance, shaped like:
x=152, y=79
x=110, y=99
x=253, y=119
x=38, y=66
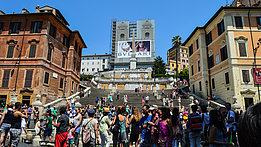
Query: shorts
x=48, y=132
x=5, y=127
x=70, y=140
x=15, y=136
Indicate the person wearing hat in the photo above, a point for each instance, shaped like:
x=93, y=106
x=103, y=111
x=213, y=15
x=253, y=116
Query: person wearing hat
x=91, y=124
x=105, y=123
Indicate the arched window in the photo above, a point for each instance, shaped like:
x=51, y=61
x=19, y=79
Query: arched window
x=122, y=36
x=147, y=34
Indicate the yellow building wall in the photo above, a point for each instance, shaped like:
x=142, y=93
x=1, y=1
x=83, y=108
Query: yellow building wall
x=162, y=86
x=104, y=85
x=120, y=87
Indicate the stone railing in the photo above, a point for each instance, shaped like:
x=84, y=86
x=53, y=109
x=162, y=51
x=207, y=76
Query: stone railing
x=134, y=80
x=68, y=98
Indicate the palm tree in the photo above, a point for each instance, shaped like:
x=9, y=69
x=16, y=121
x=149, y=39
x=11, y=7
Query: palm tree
x=176, y=41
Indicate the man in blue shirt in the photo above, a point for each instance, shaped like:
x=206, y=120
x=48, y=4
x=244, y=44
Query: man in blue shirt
x=145, y=134
x=231, y=122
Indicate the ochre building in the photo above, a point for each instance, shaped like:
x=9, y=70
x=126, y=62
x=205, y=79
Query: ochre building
x=221, y=56
x=38, y=53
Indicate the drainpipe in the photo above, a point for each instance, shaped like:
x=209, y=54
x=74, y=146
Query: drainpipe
x=209, y=71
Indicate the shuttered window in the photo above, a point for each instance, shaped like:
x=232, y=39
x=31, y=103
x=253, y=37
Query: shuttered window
x=49, y=55
x=32, y=51
x=213, y=83
x=198, y=65
x=197, y=45
x=14, y=27
x=238, y=21
x=66, y=41
x=46, y=78
x=52, y=31
x=200, y=86
x=190, y=50
x=61, y=82
x=245, y=74
x=242, y=49
x=223, y=52
x=36, y=27
x=227, y=77
x=6, y=78
x=72, y=84
x=28, y=79
x=1, y=27
x=209, y=38
x=10, y=51
x=221, y=27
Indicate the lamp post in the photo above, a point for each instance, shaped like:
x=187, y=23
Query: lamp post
x=64, y=55
x=255, y=66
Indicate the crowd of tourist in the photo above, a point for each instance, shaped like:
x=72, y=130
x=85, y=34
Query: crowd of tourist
x=104, y=124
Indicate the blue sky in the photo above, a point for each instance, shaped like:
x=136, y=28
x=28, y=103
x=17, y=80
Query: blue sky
x=93, y=17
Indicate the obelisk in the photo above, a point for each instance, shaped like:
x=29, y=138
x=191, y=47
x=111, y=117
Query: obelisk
x=133, y=59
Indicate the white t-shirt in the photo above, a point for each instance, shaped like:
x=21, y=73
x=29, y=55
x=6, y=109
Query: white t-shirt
x=37, y=129
x=23, y=123
x=147, y=98
x=72, y=101
x=90, y=126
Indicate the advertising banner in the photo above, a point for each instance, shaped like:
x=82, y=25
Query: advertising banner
x=142, y=49
x=257, y=75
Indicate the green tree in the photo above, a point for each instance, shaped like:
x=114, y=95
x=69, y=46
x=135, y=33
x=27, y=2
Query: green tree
x=184, y=74
x=159, y=66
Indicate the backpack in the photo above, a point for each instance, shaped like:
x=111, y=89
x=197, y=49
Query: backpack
x=87, y=135
x=196, y=122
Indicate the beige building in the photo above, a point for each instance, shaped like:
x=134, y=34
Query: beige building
x=180, y=55
x=221, y=55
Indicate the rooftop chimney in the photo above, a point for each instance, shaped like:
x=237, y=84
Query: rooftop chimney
x=37, y=9
x=105, y=53
x=25, y=11
x=94, y=53
x=2, y=13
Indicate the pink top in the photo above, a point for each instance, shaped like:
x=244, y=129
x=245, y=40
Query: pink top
x=70, y=134
x=143, y=101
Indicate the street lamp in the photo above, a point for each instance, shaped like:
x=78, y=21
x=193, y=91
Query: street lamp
x=18, y=66
x=255, y=66
x=64, y=55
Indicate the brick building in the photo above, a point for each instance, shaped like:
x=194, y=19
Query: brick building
x=221, y=56
x=38, y=53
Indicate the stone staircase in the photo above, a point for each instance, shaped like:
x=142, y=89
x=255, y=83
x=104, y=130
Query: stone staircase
x=134, y=99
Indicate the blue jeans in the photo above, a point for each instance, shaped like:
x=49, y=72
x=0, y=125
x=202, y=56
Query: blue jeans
x=194, y=139
x=175, y=143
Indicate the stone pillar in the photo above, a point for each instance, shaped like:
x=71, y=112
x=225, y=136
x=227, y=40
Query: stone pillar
x=36, y=140
x=38, y=104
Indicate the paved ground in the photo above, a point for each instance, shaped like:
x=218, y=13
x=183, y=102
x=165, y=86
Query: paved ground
x=23, y=145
